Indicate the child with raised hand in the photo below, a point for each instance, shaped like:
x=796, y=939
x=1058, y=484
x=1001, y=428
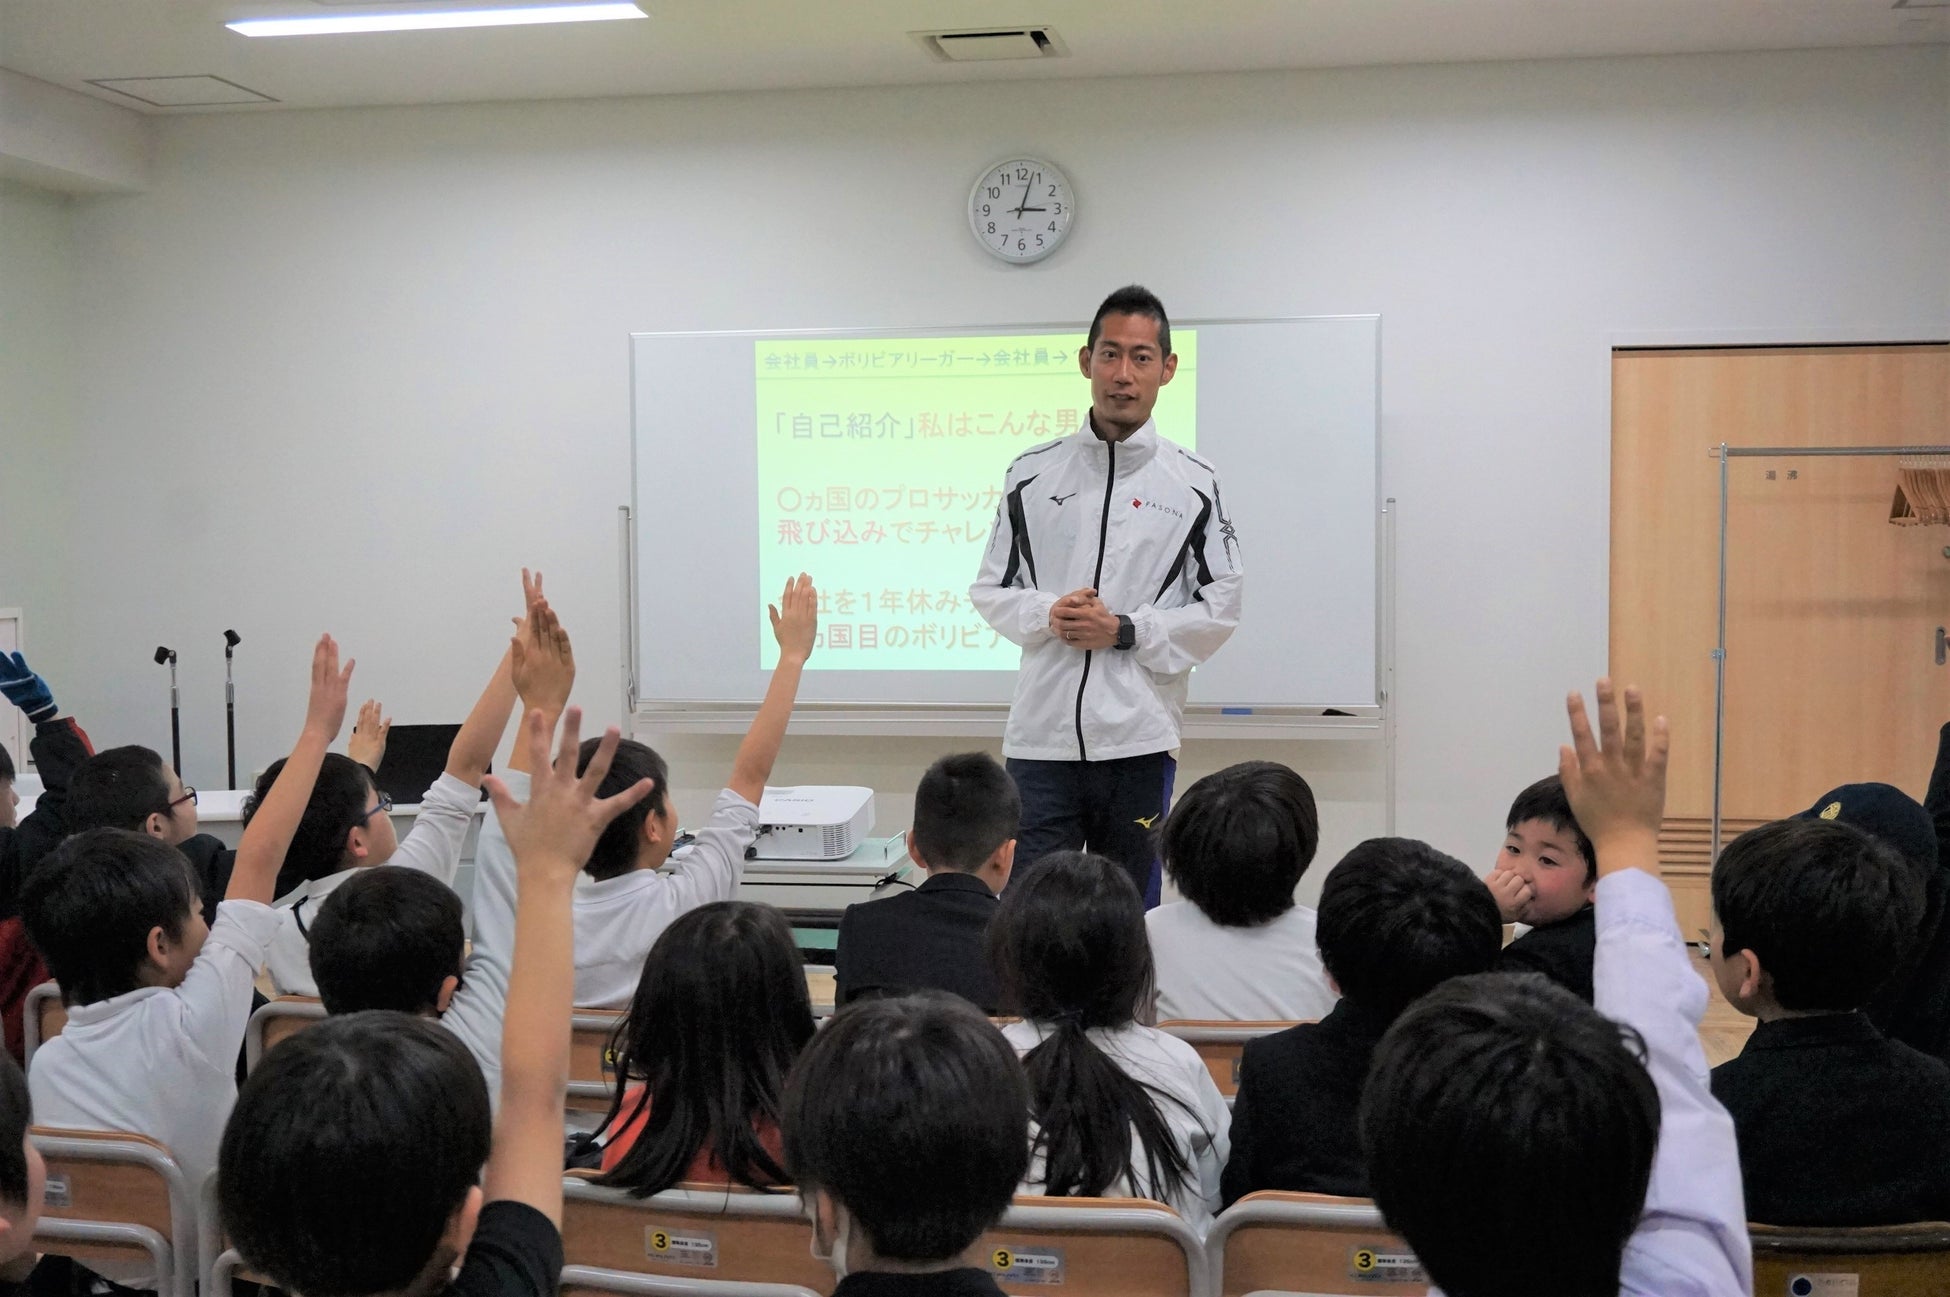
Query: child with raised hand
x=352, y=1164
x=1525, y=1145
x=634, y=886
x=346, y=826
x=158, y=1002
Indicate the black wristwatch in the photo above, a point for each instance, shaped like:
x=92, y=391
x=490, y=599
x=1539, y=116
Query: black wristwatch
x=1126, y=633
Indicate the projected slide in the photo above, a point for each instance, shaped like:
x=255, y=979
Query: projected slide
x=880, y=465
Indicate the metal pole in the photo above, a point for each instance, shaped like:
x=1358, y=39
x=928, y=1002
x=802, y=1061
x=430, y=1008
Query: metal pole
x=1840, y=452
x=175, y=721
x=230, y=716
x=1389, y=511
x=1720, y=669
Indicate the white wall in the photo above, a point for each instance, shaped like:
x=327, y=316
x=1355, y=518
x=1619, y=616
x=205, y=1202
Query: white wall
x=349, y=369
x=37, y=388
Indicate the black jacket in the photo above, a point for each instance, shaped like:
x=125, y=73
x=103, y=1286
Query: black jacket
x=932, y=938
x=1293, y=1120
x=1838, y=1125
x=1562, y=951
x=1915, y=1009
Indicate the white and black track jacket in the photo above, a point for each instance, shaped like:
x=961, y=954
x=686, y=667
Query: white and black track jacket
x=1141, y=522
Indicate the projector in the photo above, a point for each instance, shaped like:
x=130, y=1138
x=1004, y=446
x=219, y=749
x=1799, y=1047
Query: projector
x=812, y=823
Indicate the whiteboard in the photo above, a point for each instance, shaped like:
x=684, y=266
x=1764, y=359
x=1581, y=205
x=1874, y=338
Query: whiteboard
x=1287, y=410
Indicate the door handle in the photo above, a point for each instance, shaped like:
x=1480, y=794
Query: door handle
x=1942, y=646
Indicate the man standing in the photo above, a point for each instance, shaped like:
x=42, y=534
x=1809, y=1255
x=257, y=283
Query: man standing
x=1114, y=565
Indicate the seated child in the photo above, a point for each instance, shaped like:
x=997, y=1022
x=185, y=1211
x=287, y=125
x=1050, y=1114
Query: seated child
x=347, y=826
x=1913, y=1004
x=133, y=788
x=904, y=1131
x=1527, y=1145
x=1838, y=1124
x=1397, y=919
x=1545, y=876
x=1238, y=946
x=1121, y=1109
x=966, y=813
x=395, y=939
x=629, y=895
x=158, y=1002
x=352, y=1164
x=719, y=1017
x=59, y=749
x=23, y=1179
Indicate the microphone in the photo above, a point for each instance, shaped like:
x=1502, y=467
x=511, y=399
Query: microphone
x=168, y=655
x=231, y=639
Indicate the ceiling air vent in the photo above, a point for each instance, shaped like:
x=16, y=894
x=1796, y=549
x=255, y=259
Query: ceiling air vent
x=987, y=44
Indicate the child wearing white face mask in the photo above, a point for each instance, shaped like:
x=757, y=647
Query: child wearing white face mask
x=906, y=1130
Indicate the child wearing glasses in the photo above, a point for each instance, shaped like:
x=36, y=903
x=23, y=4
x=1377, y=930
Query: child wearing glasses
x=158, y=1000
x=347, y=825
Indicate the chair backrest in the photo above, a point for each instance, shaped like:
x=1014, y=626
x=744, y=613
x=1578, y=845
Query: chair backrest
x=285, y=1016
x=1312, y=1243
x=119, y=1198
x=584, y=1281
x=1221, y=1044
x=694, y=1231
x=592, y=1065
x=1094, y=1247
x=1877, y=1261
x=42, y=1018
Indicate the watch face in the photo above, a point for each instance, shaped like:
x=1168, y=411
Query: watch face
x=1021, y=210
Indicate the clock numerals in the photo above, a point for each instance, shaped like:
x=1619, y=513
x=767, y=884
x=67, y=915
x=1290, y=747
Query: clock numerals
x=1021, y=210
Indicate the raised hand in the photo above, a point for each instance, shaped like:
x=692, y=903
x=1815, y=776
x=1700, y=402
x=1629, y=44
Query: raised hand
x=367, y=745
x=325, y=713
x=544, y=664
x=25, y=690
x=1616, y=782
x=553, y=833
x=795, y=618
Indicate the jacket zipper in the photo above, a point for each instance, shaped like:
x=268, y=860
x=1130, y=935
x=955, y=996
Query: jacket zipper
x=1096, y=583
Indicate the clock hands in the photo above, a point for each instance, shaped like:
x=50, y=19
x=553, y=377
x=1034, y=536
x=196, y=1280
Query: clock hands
x=1023, y=207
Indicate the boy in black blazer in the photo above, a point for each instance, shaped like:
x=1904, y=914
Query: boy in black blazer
x=1397, y=917
x=966, y=813
x=1838, y=1124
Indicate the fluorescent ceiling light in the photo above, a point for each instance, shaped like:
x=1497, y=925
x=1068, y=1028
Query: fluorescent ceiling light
x=403, y=22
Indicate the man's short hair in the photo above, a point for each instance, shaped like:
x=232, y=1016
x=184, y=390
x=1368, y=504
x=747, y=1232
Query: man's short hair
x=1398, y=918
x=119, y=788
x=336, y=806
x=350, y=1147
x=16, y=1117
x=1830, y=911
x=965, y=808
x=913, y=1112
x=7, y=772
x=1133, y=299
x=1239, y=839
x=1509, y=1131
x=1545, y=800
x=386, y=938
x=90, y=906
x=616, y=850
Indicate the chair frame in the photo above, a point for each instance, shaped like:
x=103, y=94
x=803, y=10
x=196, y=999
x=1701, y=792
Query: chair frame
x=30, y=1026
x=1133, y=1216
x=653, y=1285
x=1201, y=1031
x=1321, y=1210
x=285, y=1006
x=693, y=1200
x=175, y=1257
x=582, y=1092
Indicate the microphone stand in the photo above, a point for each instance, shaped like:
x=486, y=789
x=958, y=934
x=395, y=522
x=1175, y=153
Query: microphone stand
x=175, y=710
x=230, y=641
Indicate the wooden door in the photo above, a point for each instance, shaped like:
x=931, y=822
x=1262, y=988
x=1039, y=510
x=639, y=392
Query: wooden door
x=1831, y=612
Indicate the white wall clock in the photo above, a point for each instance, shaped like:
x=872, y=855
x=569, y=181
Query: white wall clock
x=1021, y=210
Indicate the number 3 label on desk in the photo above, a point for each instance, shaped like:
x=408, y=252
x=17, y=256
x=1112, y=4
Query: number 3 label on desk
x=1021, y=210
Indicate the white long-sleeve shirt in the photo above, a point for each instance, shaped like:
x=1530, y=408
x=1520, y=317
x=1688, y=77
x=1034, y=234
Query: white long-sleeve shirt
x=1190, y=1103
x=432, y=846
x=619, y=919
x=1142, y=522
x=478, y=1007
